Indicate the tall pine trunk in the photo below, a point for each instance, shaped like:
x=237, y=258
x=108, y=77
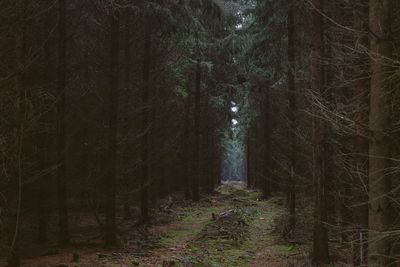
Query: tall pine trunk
x=266, y=180
x=196, y=139
x=15, y=140
x=360, y=176
x=63, y=232
x=185, y=152
x=111, y=179
x=379, y=125
x=85, y=133
x=248, y=158
x=46, y=138
x=144, y=198
x=126, y=114
x=292, y=114
x=320, y=238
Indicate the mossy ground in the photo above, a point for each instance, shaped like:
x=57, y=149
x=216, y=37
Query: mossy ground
x=199, y=250
x=195, y=238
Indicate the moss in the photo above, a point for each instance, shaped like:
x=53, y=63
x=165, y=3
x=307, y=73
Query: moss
x=191, y=221
x=202, y=248
x=219, y=251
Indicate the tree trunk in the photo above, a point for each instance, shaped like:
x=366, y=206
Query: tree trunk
x=330, y=138
x=320, y=239
x=185, y=154
x=85, y=124
x=379, y=125
x=292, y=115
x=266, y=180
x=248, y=159
x=63, y=232
x=214, y=161
x=16, y=138
x=46, y=138
x=257, y=156
x=196, y=143
x=126, y=105
x=145, y=124
x=210, y=160
x=110, y=227
x=360, y=176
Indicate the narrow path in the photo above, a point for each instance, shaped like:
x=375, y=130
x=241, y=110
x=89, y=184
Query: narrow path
x=177, y=235
x=196, y=239
x=231, y=228
x=269, y=251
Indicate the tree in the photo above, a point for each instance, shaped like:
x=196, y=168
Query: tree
x=16, y=139
x=110, y=230
x=361, y=92
x=45, y=142
x=379, y=125
x=320, y=241
x=292, y=113
x=185, y=147
x=63, y=232
x=266, y=182
x=144, y=198
x=249, y=165
x=126, y=111
x=196, y=132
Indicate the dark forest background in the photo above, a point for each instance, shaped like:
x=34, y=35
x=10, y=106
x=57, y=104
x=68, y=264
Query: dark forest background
x=107, y=107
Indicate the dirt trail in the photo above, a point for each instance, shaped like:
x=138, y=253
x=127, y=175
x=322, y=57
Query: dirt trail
x=198, y=240
x=231, y=228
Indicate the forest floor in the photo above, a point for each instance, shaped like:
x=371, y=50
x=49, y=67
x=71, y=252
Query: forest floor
x=233, y=227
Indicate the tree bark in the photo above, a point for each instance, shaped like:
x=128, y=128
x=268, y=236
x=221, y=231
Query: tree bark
x=196, y=141
x=126, y=105
x=320, y=239
x=360, y=176
x=110, y=227
x=248, y=159
x=185, y=154
x=85, y=137
x=379, y=125
x=63, y=232
x=210, y=151
x=16, y=139
x=46, y=138
x=266, y=180
x=145, y=124
x=214, y=161
x=292, y=114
